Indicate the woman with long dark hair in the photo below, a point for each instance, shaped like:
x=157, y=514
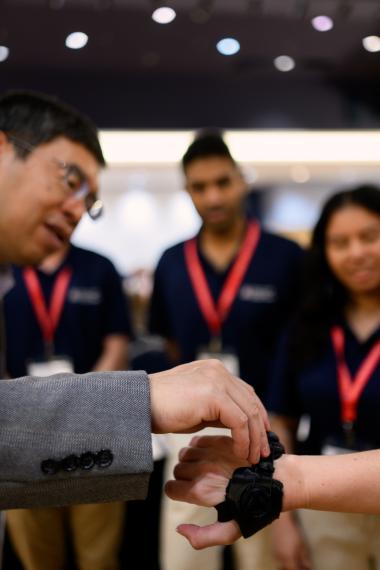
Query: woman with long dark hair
x=327, y=377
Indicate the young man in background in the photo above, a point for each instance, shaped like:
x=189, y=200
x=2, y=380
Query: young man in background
x=225, y=294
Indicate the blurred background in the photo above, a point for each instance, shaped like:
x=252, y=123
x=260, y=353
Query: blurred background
x=293, y=83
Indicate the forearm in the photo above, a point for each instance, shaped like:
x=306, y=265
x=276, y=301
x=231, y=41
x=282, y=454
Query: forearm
x=346, y=483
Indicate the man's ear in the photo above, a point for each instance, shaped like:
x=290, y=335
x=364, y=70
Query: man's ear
x=3, y=138
x=4, y=143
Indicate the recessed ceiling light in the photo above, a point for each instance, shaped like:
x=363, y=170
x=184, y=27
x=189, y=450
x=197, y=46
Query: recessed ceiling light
x=284, y=63
x=76, y=40
x=228, y=46
x=322, y=23
x=4, y=53
x=371, y=43
x=164, y=15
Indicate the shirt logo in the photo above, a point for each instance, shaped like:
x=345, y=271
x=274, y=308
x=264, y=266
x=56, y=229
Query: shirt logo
x=258, y=293
x=83, y=296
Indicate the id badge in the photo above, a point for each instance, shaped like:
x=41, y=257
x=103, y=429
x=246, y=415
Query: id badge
x=229, y=359
x=55, y=365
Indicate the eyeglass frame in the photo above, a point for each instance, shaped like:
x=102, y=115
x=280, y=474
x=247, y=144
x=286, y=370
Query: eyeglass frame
x=94, y=206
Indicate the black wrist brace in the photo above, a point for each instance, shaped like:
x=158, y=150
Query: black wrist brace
x=253, y=497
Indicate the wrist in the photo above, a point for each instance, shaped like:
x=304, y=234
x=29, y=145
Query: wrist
x=288, y=470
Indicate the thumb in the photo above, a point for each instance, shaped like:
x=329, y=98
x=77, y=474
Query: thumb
x=210, y=535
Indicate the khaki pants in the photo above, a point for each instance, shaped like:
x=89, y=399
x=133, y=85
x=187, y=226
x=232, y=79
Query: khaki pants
x=38, y=536
x=340, y=541
x=176, y=553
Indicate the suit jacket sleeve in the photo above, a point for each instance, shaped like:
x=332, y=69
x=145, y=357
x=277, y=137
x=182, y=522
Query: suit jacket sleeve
x=74, y=439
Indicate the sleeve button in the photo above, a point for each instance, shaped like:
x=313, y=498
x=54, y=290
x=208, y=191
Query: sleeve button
x=49, y=466
x=104, y=458
x=87, y=460
x=70, y=463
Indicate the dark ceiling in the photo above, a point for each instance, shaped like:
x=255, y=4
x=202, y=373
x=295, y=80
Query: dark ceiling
x=134, y=73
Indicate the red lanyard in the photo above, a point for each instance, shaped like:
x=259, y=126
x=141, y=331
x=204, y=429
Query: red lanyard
x=215, y=314
x=350, y=389
x=48, y=317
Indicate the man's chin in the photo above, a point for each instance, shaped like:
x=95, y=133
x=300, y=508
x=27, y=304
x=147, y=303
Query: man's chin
x=33, y=256
x=219, y=226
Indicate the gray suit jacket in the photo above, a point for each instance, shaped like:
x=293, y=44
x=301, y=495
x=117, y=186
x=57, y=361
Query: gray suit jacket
x=74, y=439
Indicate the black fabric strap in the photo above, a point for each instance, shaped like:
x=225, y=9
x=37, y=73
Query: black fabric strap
x=253, y=497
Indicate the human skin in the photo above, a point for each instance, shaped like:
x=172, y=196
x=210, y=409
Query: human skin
x=36, y=215
x=206, y=394
x=343, y=483
x=217, y=190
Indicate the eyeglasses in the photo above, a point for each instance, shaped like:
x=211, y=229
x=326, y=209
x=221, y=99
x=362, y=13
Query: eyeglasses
x=73, y=181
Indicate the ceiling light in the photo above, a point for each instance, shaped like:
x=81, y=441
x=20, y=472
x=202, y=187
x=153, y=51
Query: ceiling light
x=228, y=46
x=302, y=148
x=76, y=40
x=322, y=23
x=163, y=15
x=284, y=63
x=4, y=53
x=371, y=43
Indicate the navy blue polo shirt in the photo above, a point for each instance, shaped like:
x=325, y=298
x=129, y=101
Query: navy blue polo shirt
x=257, y=315
x=95, y=307
x=314, y=391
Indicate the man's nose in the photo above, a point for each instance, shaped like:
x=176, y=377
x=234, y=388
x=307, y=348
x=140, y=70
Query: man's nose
x=74, y=208
x=213, y=195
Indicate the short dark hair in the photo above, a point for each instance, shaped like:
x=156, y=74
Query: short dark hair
x=36, y=118
x=206, y=144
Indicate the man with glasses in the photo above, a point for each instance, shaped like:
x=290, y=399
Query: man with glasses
x=72, y=438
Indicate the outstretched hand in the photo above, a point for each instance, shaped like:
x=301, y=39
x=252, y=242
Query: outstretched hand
x=201, y=477
x=203, y=393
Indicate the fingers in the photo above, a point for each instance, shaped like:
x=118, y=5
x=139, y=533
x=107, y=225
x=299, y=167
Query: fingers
x=182, y=490
x=206, y=394
x=221, y=444
x=238, y=409
x=203, y=473
x=305, y=562
x=258, y=421
x=210, y=535
x=196, y=483
x=295, y=564
x=232, y=416
x=205, y=468
x=213, y=455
